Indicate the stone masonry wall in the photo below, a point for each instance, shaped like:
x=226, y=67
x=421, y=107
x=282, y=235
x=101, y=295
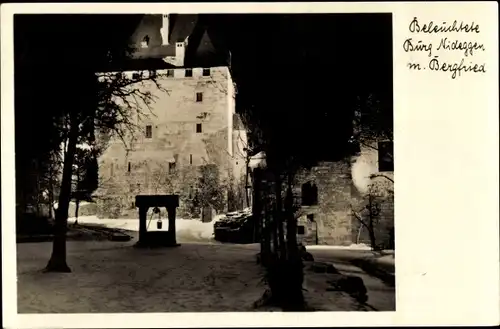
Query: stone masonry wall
x=332, y=220
x=147, y=167
x=369, y=182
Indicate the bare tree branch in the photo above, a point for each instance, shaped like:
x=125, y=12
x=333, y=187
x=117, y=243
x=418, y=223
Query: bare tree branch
x=383, y=176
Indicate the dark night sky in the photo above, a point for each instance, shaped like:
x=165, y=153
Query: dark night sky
x=313, y=63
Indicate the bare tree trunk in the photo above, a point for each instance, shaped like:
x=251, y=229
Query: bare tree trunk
x=257, y=208
x=279, y=216
x=77, y=207
x=295, y=297
x=38, y=188
x=51, y=197
x=293, y=251
x=57, y=262
x=274, y=230
x=371, y=230
x=77, y=195
x=276, y=215
x=359, y=234
x=266, y=234
x=247, y=197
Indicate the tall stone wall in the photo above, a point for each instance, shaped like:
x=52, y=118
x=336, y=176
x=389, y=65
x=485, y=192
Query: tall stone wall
x=169, y=160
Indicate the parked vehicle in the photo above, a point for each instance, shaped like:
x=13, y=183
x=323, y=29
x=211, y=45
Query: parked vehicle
x=236, y=227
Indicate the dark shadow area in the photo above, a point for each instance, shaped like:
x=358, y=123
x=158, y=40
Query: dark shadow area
x=375, y=270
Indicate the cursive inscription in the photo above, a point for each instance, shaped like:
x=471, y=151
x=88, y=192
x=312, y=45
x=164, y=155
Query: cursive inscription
x=453, y=53
x=444, y=27
x=468, y=47
x=455, y=68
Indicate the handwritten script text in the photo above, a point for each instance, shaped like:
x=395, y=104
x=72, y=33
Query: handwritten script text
x=457, y=39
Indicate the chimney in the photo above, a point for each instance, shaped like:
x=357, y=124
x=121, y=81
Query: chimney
x=178, y=59
x=165, y=29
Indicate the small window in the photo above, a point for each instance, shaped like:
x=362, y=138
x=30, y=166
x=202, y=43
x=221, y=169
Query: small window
x=310, y=217
x=145, y=42
x=199, y=97
x=385, y=156
x=149, y=131
x=152, y=74
x=206, y=72
x=198, y=128
x=189, y=73
x=171, y=166
x=129, y=167
x=136, y=76
x=170, y=73
x=309, y=194
x=190, y=159
x=301, y=230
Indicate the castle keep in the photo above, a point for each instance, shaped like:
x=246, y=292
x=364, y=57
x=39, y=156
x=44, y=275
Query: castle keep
x=190, y=142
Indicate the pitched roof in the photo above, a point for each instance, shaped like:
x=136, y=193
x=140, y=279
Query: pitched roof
x=180, y=28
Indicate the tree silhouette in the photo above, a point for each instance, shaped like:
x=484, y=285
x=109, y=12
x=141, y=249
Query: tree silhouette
x=297, y=100
x=62, y=80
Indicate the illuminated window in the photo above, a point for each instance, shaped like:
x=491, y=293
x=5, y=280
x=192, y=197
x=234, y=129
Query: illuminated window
x=145, y=42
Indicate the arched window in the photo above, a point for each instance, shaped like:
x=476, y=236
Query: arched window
x=145, y=42
x=309, y=194
x=314, y=194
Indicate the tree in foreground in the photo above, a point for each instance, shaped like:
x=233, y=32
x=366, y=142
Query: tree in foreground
x=286, y=119
x=63, y=82
x=374, y=180
x=120, y=105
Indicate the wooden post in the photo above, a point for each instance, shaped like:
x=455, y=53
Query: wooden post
x=171, y=224
x=143, y=211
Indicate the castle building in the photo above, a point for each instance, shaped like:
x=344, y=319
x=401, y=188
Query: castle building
x=336, y=197
x=190, y=142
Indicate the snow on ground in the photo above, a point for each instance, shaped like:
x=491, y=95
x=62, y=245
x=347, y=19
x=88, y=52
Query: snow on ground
x=187, y=229
x=114, y=277
x=380, y=296
x=387, y=259
x=360, y=246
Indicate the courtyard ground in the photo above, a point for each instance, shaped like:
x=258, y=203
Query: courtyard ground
x=114, y=277
x=201, y=275
x=381, y=293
